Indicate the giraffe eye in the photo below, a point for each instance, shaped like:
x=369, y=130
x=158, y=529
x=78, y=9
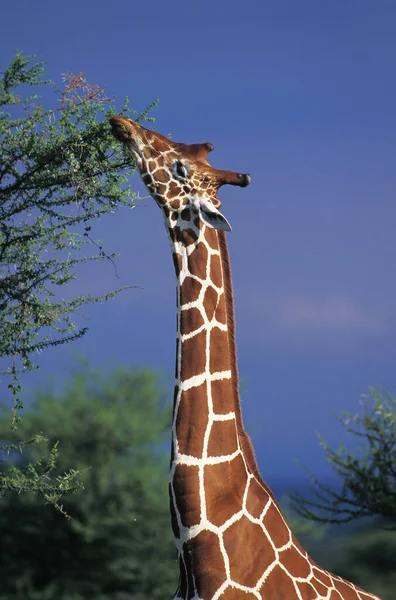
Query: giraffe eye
x=179, y=171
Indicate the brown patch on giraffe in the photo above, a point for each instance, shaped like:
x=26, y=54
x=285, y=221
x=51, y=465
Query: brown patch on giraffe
x=216, y=274
x=241, y=541
x=197, y=261
x=175, y=525
x=210, y=302
x=322, y=577
x=211, y=238
x=185, y=237
x=174, y=190
x=160, y=160
x=224, y=489
x=207, y=563
x=186, y=189
x=222, y=396
x=161, y=176
x=175, y=204
x=160, y=188
x=223, y=438
x=233, y=593
x=219, y=351
x=277, y=529
x=278, y=580
x=190, y=290
x=190, y=320
x=294, y=563
x=307, y=591
x=152, y=165
x=186, y=214
x=193, y=353
x=186, y=486
x=191, y=421
x=256, y=499
x=177, y=261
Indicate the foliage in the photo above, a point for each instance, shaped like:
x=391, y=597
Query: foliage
x=60, y=169
x=368, y=473
x=366, y=556
x=36, y=477
x=118, y=543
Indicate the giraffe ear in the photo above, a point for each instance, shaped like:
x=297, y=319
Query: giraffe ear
x=212, y=217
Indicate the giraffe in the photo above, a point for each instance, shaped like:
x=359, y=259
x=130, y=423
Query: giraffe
x=232, y=540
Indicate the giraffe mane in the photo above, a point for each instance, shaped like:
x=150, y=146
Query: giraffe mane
x=244, y=439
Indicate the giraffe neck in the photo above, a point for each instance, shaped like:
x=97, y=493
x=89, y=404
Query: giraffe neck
x=233, y=542
x=231, y=536
x=201, y=267
x=205, y=417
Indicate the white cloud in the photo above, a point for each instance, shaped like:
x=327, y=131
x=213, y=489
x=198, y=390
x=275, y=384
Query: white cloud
x=291, y=311
x=330, y=313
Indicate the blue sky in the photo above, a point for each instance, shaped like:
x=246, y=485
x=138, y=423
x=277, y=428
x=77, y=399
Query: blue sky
x=301, y=95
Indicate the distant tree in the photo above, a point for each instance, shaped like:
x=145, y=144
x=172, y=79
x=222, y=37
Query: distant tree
x=117, y=545
x=366, y=556
x=368, y=472
x=60, y=169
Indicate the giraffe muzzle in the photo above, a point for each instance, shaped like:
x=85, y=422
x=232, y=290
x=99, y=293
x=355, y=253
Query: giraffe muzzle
x=119, y=129
x=232, y=178
x=245, y=179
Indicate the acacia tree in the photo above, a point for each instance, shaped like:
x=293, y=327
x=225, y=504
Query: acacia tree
x=367, y=473
x=60, y=169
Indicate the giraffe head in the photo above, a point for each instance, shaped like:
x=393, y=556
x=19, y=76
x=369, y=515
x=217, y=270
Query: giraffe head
x=178, y=176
